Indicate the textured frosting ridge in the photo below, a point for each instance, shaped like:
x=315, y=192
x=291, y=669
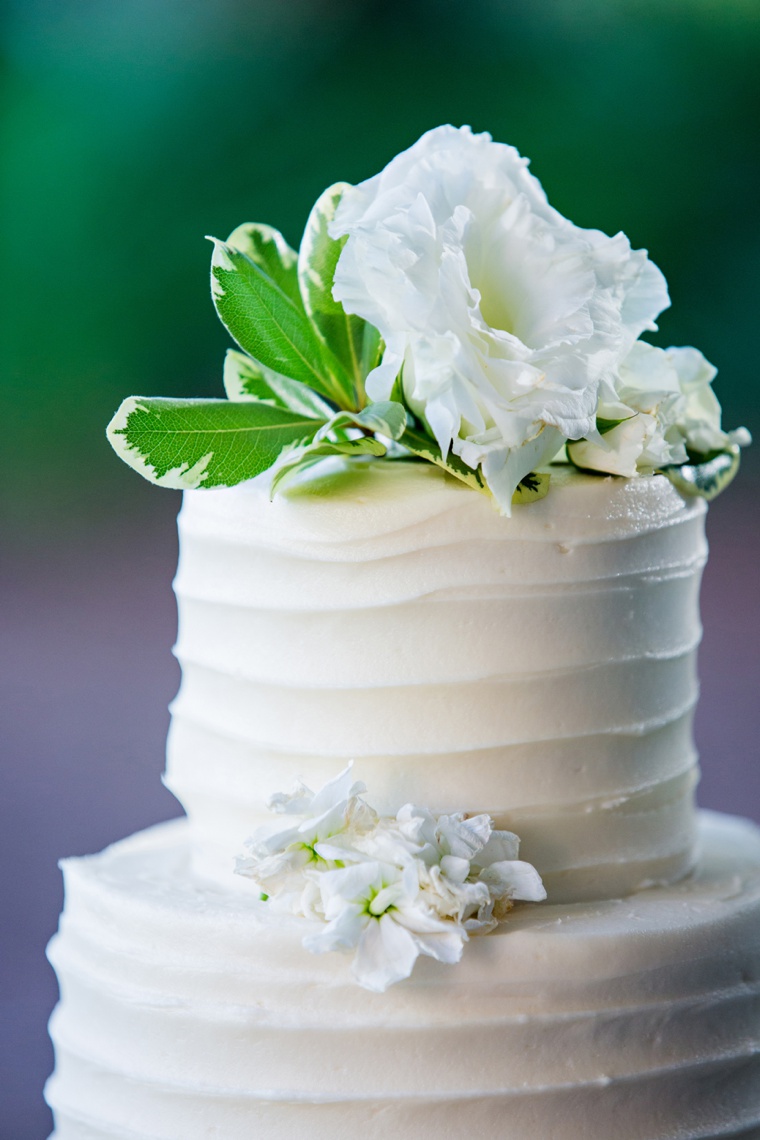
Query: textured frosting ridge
x=543, y=665
x=186, y=1015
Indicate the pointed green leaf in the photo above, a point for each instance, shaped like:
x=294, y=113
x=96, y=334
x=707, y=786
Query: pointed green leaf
x=246, y=379
x=317, y=259
x=426, y=448
x=270, y=328
x=386, y=417
x=210, y=443
x=267, y=248
x=532, y=487
x=707, y=479
x=299, y=458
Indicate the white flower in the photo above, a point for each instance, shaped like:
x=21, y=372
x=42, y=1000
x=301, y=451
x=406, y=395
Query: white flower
x=504, y=315
x=389, y=888
x=667, y=407
x=333, y=817
x=379, y=910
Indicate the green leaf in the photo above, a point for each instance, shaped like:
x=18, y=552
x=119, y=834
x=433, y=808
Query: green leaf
x=373, y=348
x=603, y=426
x=267, y=248
x=305, y=456
x=210, y=443
x=271, y=328
x=706, y=479
x=425, y=447
x=386, y=417
x=532, y=487
x=246, y=379
x=317, y=260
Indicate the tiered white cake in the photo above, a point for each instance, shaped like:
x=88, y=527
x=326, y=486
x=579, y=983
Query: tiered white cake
x=540, y=668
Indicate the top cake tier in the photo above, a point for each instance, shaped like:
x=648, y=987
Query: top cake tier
x=540, y=668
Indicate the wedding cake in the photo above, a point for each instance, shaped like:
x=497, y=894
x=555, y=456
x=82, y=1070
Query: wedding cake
x=461, y=604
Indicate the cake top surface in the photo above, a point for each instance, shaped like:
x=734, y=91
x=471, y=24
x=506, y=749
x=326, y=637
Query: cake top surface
x=349, y=503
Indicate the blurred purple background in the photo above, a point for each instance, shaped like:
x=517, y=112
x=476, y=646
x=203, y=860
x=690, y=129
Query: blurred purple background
x=86, y=681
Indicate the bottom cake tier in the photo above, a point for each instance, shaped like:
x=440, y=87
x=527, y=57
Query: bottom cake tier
x=185, y=1014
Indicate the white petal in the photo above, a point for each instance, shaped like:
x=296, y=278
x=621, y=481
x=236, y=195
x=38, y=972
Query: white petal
x=501, y=845
x=520, y=880
x=342, y=933
x=385, y=954
x=455, y=868
x=335, y=791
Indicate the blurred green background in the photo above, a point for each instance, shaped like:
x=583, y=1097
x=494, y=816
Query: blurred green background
x=134, y=127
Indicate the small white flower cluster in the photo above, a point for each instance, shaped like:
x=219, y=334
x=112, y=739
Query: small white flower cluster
x=514, y=330
x=389, y=888
x=663, y=406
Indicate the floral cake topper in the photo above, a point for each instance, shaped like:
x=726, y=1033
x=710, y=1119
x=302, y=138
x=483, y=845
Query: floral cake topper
x=441, y=310
x=388, y=888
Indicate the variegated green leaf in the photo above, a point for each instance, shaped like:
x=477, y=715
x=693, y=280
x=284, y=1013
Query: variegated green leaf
x=317, y=259
x=300, y=458
x=246, y=379
x=532, y=487
x=426, y=448
x=706, y=479
x=203, y=443
x=386, y=417
x=271, y=328
x=267, y=248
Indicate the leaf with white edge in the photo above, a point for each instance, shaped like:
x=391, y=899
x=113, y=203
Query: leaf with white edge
x=706, y=479
x=299, y=458
x=386, y=417
x=317, y=259
x=246, y=379
x=271, y=328
x=211, y=443
x=531, y=488
x=426, y=448
x=267, y=248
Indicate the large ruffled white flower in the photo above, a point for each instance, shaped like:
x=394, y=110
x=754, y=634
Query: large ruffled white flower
x=504, y=315
x=667, y=408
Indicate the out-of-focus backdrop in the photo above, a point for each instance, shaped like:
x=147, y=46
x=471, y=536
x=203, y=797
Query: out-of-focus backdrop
x=132, y=129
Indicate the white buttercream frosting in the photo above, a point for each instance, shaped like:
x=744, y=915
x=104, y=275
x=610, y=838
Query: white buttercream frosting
x=540, y=668
x=187, y=1014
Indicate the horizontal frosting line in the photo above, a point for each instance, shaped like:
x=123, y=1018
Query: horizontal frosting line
x=186, y=588
x=289, y=997
x=73, y=961
x=458, y=684
x=627, y=800
x=351, y=751
x=474, y=752
x=748, y=1053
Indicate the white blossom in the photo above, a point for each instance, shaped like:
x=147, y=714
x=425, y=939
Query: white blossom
x=667, y=409
x=388, y=888
x=504, y=315
x=331, y=817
